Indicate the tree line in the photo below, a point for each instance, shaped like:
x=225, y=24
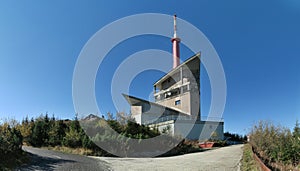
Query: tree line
x=235, y=137
x=45, y=131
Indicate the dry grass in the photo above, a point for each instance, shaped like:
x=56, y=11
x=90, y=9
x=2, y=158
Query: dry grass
x=79, y=151
x=248, y=161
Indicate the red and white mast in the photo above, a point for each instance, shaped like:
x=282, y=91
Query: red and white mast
x=175, y=40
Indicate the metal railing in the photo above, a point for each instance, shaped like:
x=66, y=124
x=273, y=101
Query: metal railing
x=209, y=118
x=183, y=118
x=169, y=118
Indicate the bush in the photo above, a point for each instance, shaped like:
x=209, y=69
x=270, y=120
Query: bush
x=74, y=136
x=57, y=133
x=10, y=140
x=276, y=145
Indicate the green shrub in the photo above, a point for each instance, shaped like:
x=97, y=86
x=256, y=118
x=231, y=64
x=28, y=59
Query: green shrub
x=276, y=145
x=10, y=140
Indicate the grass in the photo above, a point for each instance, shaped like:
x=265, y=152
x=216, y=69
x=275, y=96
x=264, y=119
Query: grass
x=79, y=151
x=183, y=148
x=11, y=161
x=248, y=161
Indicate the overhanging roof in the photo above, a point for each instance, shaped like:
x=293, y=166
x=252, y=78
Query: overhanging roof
x=135, y=101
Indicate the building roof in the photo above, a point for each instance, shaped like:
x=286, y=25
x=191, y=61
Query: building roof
x=163, y=78
x=136, y=101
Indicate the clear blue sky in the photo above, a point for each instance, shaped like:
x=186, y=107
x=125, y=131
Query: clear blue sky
x=258, y=43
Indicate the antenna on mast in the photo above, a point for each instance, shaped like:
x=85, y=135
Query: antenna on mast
x=175, y=40
x=175, y=27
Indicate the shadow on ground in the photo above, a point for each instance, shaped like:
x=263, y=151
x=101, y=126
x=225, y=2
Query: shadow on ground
x=42, y=163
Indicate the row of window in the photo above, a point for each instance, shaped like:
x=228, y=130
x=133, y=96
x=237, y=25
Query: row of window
x=172, y=93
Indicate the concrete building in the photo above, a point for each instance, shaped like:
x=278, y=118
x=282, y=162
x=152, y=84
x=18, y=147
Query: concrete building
x=179, y=88
x=176, y=109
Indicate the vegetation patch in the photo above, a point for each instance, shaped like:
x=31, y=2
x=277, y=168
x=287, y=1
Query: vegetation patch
x=69, y=135
x=115, y=133
x=277, y=146
x=11, y=154
x=13, y=160
x=79, y=151
x=184, y=147
x=248, y=162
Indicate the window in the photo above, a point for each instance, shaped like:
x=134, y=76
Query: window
x=177, y=102
x=168, y=94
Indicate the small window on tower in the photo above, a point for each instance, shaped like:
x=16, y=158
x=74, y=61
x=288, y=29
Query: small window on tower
x=177, y=102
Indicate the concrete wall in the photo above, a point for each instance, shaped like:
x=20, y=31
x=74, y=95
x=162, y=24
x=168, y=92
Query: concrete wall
x=136, y=112
x=195, y=102
x=151, y=112
x=199, y=130
x=184, y=106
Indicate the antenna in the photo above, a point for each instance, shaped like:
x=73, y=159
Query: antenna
x=175, y=27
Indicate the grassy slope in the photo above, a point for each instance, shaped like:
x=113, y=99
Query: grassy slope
x=248, y=162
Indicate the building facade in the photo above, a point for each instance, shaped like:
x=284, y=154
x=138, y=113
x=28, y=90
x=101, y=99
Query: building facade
x=176, y=109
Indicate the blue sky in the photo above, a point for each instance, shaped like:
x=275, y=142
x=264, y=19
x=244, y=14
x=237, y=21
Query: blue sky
x=257, y=41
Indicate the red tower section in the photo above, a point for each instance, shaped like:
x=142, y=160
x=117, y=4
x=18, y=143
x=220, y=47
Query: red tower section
x=175, y=40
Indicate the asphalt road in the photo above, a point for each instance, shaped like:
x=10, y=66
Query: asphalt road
x=221, y=159
x=42, y=159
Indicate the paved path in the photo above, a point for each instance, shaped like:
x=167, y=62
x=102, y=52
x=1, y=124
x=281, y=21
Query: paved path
x=42, y=159
x=221, y=159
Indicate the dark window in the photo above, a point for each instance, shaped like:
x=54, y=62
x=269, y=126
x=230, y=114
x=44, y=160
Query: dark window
x=177, y=102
